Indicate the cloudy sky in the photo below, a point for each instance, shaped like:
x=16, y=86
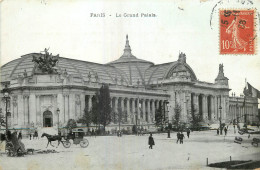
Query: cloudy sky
x=66, y=27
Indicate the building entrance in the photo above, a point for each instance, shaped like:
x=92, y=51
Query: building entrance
x=47, y=119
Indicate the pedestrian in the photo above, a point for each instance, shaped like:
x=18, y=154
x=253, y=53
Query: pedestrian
x=178, y=137
x=188, y=133
x=217, y=131
x=225, y=130
x=30, y=136
x=151, y=141
x=221, y=130
x=36, y=134
x=92, y=132
x=20, y=135
x=181, y=138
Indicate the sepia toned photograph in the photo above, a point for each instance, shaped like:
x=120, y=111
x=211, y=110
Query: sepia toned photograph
x=129, y=85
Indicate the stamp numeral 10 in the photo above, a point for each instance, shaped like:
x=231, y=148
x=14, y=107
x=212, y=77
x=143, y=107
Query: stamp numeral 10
x=226, y=44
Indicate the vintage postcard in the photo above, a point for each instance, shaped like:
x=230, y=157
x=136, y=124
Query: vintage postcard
x=135, y=85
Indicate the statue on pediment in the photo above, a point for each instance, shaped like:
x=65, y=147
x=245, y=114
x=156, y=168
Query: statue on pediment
x=45, y=63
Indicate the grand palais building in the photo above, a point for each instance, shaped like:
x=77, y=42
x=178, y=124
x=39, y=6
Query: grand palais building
x=40, y=84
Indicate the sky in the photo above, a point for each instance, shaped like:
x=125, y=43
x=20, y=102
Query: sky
x=67, y=28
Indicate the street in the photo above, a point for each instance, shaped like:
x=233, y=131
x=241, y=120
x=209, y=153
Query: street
x=132, y=152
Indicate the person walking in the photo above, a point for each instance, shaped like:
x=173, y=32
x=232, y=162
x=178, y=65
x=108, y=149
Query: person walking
x=217, y=131
x=188, y=133
x=151, y=141
x=178, y=137
x=20, y=135
x=181, y=138
x=225, y=130
x=36, y=134
x=92, y=132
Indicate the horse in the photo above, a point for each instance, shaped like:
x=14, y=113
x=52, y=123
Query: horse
x=52, y=138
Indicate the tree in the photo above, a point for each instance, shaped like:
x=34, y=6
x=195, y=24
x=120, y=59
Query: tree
x=86, y=118
x=159, y=117
x=195, y=119
x=104, y=106
x=177, y=116
x=95, y=114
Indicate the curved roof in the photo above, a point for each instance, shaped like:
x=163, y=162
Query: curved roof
x=127, y=70
x=105, y=73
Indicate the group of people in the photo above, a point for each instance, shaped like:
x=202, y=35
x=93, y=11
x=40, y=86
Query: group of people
x=15, y=139
x=34, y=135
x=180, y=137
x=221, y=129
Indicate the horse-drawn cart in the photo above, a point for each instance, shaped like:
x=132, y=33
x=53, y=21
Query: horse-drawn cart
x=77, y=136
x=13, y=146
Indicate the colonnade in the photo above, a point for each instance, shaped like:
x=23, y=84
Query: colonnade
x=210, y=107
x=135, y=110
x=238, y=112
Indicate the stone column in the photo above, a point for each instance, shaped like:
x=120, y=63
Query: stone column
x=133, y=110
x=220, y=105
x=157, y=104
x=11, y=110
x=153, y=109
x=185, y=106
x=20, y=115
x=26, y=109
x=223, y=108
x=72, y=106
x=196, y=103
x=111, y=103
x=128, y=110
x=122, y=104
x=66, y=104
x=216, y=107
x=116, y=104
x=82, y=104
x=15, y=113
x=143, y=110
x=212, y=103
x=89, y=102
x=149, y=111
x=60, y=103
x=203, y=107
x=32, y=109
x=138, y=109
x=55, y=115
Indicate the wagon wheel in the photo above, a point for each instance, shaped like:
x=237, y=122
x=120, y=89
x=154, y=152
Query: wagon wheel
x=66, y=144
x=84, y=143
x=9, y=149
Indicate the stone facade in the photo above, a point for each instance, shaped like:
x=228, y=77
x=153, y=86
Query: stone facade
x=137, y=86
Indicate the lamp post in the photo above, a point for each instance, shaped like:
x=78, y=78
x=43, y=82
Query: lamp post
x=58, y=113
x=6, y=97
x=220, y=123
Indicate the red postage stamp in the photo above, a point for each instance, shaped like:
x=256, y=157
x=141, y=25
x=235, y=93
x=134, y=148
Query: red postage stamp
x=237, y=31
